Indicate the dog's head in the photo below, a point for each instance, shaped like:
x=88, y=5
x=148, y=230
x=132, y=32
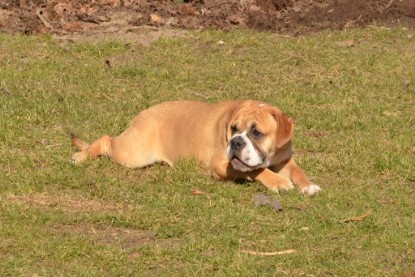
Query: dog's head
x=256, y=132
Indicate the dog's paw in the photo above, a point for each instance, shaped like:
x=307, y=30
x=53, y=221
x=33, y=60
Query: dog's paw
x=79, y=157
x=311, y=189
x=281, y=185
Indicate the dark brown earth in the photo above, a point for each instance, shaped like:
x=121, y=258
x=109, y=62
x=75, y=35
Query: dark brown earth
x=291, y=17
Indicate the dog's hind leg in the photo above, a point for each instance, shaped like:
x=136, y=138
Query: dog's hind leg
x=100, y=147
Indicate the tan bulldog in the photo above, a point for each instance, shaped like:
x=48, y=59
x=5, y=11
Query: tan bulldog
x=242, y=139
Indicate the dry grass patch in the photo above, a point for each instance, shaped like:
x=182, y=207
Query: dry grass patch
x=66, y=203
x=125, y=238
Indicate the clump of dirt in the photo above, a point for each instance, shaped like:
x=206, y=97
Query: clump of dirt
x=292, y=17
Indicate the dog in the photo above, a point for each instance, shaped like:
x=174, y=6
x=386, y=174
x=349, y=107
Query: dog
x=242, y=139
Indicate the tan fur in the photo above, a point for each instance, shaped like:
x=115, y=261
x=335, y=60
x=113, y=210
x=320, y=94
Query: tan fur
x=182, y=129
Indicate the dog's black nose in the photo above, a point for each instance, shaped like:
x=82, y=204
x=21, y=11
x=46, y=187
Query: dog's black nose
x=237, y=143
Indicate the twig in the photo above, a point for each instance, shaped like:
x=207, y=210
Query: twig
x=293, y=57
x=282, y=35
x=197, y=192
x=44, y=21
x=388, y=5
x=276, y=253
x=54, y=145
x=355, y=219
x=304, y=59
x=106, y=96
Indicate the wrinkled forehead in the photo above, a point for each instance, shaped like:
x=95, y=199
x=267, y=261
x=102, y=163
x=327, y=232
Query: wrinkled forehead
x=258, y=114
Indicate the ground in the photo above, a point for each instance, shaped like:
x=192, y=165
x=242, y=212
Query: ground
x=71, y=19
x=353, y=108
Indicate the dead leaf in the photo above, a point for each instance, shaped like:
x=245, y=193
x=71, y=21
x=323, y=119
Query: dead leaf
x=276, y=253
x=87, y=9
x=197, y=192
x=236, y=19
x=188, y=9
x=346, y=43
x=72, y=27
x=254, y=8
x=393, y=114
x=407, y=83
x=212, y=3
x=156, y=19
x=356, y=219
x=261, y=199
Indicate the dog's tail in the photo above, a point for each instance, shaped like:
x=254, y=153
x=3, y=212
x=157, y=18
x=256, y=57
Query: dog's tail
x=76, y=141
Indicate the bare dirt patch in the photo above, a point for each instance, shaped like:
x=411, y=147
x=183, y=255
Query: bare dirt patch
x=66, y=203
x=122, y=237
x=125, y=238
x=76, y=18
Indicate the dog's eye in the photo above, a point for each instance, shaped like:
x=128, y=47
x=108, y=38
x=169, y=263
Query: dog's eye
x=234, y=128
x=256, y=134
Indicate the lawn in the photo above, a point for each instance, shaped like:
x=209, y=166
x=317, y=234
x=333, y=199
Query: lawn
x=354, y=108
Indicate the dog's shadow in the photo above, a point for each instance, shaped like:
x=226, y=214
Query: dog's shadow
x=240, y=182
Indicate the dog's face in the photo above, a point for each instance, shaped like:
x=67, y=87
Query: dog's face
x=255, y=134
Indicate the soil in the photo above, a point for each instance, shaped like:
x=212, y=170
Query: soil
x=73, y=18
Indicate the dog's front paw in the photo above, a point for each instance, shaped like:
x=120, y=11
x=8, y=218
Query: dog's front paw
x=79, y=157
x=311, y=189
x=281, y=184
x=273, y=181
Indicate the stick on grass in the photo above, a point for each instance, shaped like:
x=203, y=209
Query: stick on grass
x=276, y=253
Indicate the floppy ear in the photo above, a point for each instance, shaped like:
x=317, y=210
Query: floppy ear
x=229, y=115
x=285, y=129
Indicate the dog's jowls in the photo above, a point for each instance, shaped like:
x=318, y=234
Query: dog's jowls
x=236, y=139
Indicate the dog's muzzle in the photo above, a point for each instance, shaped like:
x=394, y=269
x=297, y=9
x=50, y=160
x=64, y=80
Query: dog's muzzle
x=242, y=154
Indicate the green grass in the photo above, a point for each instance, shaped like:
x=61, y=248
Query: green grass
x=354, y=111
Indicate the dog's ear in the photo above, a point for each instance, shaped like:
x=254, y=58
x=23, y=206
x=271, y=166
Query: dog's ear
x=285, y=128
x=229, y=116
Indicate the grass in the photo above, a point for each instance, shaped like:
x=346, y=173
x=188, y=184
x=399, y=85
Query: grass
x=354, y=111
